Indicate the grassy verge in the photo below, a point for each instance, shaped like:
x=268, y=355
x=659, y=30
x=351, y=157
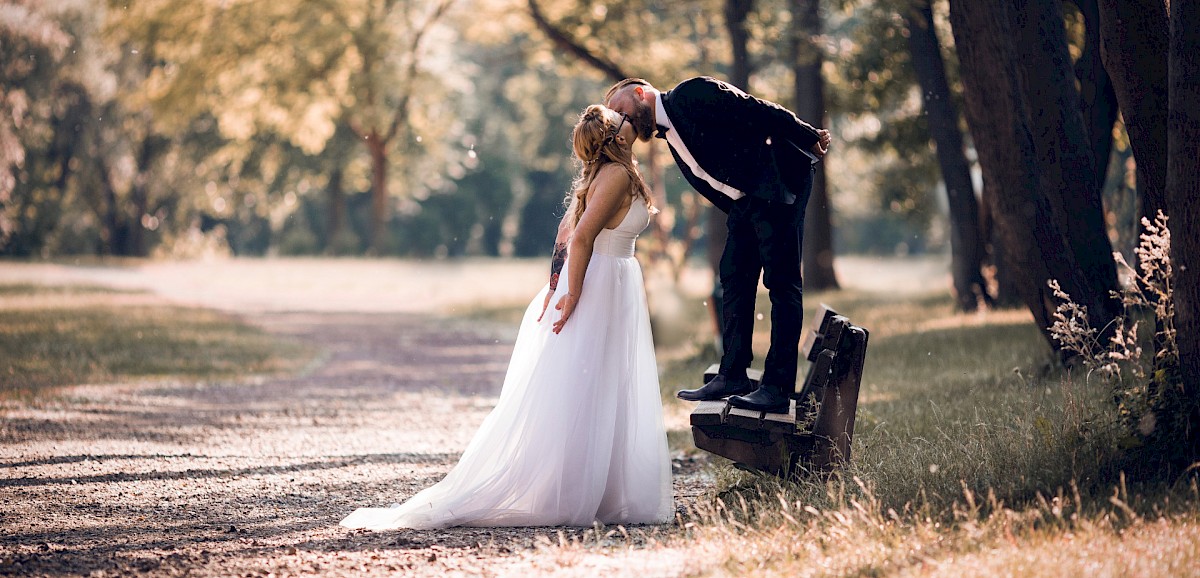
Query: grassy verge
x=971, y=456
x=61, y=335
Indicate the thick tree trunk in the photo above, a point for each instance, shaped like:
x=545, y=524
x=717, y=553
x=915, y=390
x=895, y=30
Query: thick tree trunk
x=966, y=248
x=1095, y=92
x=1006, y=294
x=1065, y=162
x=736, y=12
x=1134, y=49
x=379, y=205
x=1183, y=190
x=1026, y=228
x=809, y=95
x=153, y=146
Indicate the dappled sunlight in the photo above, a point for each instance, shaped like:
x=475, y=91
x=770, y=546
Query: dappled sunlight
x=907, y=276
x=677, y=416
x=946, y=398
x=68, y=301
x=1163, y=547
x=982, y=318
x=264, y=263
x=871, y=396
x=407, y=371
x=317, y=285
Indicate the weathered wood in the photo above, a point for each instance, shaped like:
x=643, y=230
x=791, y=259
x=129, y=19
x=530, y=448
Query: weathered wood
x=834, y=426
x=812, y=339
x=781, y=442
x=755, y=375
x=709, y=413
x=770, y=422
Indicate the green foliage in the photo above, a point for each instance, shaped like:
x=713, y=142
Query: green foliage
x=875, y=85
x=150, y=125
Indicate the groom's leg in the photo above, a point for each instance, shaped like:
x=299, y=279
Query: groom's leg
x=780, y=230
x=740, y=268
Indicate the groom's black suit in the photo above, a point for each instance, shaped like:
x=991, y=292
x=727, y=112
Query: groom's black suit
x=756, y=147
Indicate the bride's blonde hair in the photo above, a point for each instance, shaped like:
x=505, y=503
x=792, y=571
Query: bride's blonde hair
x=595, y=142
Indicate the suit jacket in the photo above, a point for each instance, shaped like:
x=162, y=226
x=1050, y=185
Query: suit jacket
x=753, y=145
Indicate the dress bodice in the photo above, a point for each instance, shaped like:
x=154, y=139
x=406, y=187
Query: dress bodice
x=619, y=242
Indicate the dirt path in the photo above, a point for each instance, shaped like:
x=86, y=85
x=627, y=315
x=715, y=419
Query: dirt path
x=250, y=477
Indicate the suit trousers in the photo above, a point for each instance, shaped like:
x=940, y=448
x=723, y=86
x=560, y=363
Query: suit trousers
x=764, y=237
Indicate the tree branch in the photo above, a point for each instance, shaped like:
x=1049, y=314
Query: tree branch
x=564, y=41
x=414, y=48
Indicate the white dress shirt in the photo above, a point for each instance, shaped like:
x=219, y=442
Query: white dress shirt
x=681, y=149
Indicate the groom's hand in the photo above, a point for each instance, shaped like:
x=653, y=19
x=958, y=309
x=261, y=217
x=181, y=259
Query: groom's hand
x=567, y=306
x=821, y=147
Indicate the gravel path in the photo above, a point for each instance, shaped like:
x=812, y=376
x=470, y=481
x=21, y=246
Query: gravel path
x=250, y=477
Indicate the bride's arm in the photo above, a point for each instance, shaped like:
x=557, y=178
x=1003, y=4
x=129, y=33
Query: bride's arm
x=605, y=198
x=558, y=258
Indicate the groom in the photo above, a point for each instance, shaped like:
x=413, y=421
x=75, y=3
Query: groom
x=753, y=159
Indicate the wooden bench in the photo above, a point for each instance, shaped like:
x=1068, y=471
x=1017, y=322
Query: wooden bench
x=817, y=430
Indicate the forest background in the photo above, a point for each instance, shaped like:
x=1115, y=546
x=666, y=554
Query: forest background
x=438, y=128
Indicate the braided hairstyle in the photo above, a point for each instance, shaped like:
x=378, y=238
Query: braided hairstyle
x=595, y=142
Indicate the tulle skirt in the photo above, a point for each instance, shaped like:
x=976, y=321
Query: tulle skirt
x=577, y=435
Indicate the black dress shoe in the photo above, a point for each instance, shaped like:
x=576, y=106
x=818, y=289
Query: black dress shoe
x=766, y=398
x=719, y=387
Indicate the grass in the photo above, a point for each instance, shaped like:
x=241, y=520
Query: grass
x=53, y=336
x=973, y=456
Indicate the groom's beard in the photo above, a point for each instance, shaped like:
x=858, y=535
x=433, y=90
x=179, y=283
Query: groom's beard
x=643, y=121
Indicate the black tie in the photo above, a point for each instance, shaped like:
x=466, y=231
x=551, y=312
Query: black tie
x=662, y=131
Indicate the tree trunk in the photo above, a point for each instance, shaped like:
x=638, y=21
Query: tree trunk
x=379, y=195
x=153, y=146
x=112, y=232
x=736, y=12
x=966, y=248
x=336, y=216
x=1025, y=224
x=1134, y=50
x=139, y=199
x=809, y=95
x=1065, y=161
x=1183, y=189
x=1095, y=92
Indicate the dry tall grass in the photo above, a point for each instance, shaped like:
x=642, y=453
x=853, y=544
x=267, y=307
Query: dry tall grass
x=973, y=456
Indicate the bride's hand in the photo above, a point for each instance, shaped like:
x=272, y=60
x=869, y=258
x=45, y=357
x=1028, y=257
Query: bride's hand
x=545, y=304
x=567, y=306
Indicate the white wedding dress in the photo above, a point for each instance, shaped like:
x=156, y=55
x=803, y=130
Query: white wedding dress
x=577, y=435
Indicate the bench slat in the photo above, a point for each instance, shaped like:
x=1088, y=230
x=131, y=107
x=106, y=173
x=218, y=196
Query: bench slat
x=755, y=375
x=771, y=442
x=813, y=337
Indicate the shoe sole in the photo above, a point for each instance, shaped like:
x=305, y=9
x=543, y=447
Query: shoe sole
x=726, y=396
x=771, y=409
x=766, y=410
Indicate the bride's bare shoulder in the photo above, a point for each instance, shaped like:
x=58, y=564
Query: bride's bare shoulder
x=613, y=171
x=611, y=178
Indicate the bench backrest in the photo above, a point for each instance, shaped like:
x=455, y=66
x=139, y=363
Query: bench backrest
x=828, y=400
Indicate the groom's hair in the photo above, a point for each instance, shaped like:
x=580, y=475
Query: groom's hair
x=618, y=87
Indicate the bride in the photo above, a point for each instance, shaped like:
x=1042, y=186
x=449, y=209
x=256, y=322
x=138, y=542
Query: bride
x=577, y=435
